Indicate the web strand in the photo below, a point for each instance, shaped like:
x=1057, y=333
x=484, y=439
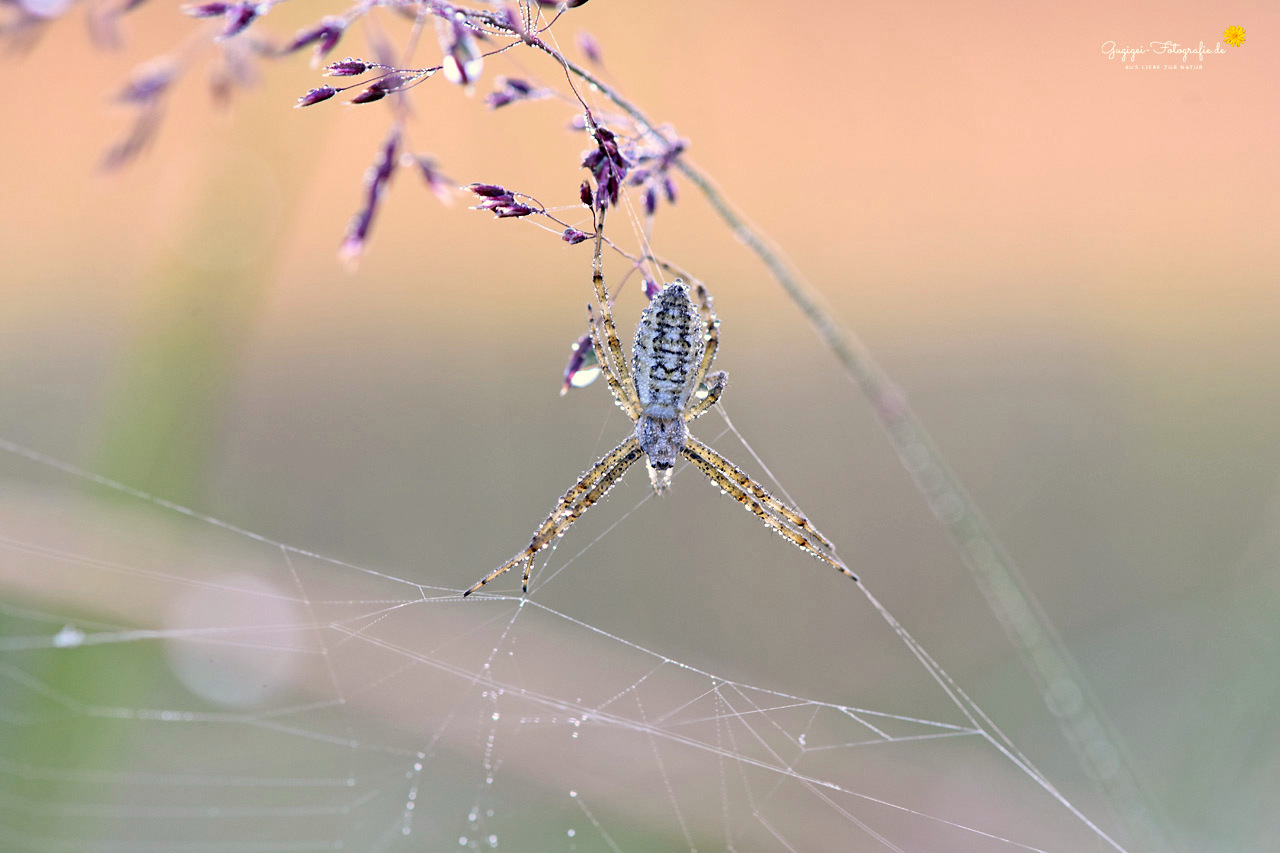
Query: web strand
x=458, y=686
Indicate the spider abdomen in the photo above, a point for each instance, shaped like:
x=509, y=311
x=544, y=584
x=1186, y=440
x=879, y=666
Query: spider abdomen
x=667, y=353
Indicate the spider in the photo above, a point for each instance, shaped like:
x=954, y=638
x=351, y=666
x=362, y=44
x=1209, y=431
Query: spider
x=659, y=390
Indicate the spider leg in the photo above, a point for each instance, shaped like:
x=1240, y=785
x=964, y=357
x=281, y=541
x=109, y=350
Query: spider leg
x=773, y=512
x=715, y=387
x=593, y=495
x=610, y=336
x=755, y=489
x=626, y=398
x=711, y=333
x=581, y=496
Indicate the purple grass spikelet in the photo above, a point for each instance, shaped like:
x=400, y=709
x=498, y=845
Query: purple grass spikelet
x=510, y=90
x=509, y=16
x=502, y=201
x=380, y=88
x=324, y=35
x=607, y=164
x=315, y=96
x=207, y=10
x=590, y=47
x=436, y=181
x=376, y=178
x=515, y=209
x=347, y=68
x=148, y=83
x=239, y=17
x=489, y=190
x=498, y=99
x=368, y=96
x=654, y=172
x=138, y=138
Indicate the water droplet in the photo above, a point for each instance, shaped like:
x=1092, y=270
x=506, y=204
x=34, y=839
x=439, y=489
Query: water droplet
x=584, y=376
x=573, y=793
x=462, y=61
x=462, y=842
x=68, y=637
x=572, y=833
x=496, y=716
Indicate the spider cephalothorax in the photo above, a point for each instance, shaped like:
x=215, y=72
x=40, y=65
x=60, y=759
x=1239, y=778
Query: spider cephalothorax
x=665, y=386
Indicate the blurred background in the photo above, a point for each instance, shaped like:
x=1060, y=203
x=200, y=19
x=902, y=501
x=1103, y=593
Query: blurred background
x=1068, y=265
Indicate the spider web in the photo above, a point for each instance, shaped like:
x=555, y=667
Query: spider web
x=196, y=686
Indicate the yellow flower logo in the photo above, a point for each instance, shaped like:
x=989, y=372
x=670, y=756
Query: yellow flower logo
x=1233, y=36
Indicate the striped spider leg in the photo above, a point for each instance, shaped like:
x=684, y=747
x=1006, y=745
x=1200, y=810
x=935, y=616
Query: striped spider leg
x=595, y=483
x=591, y=488
x=660, y=390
